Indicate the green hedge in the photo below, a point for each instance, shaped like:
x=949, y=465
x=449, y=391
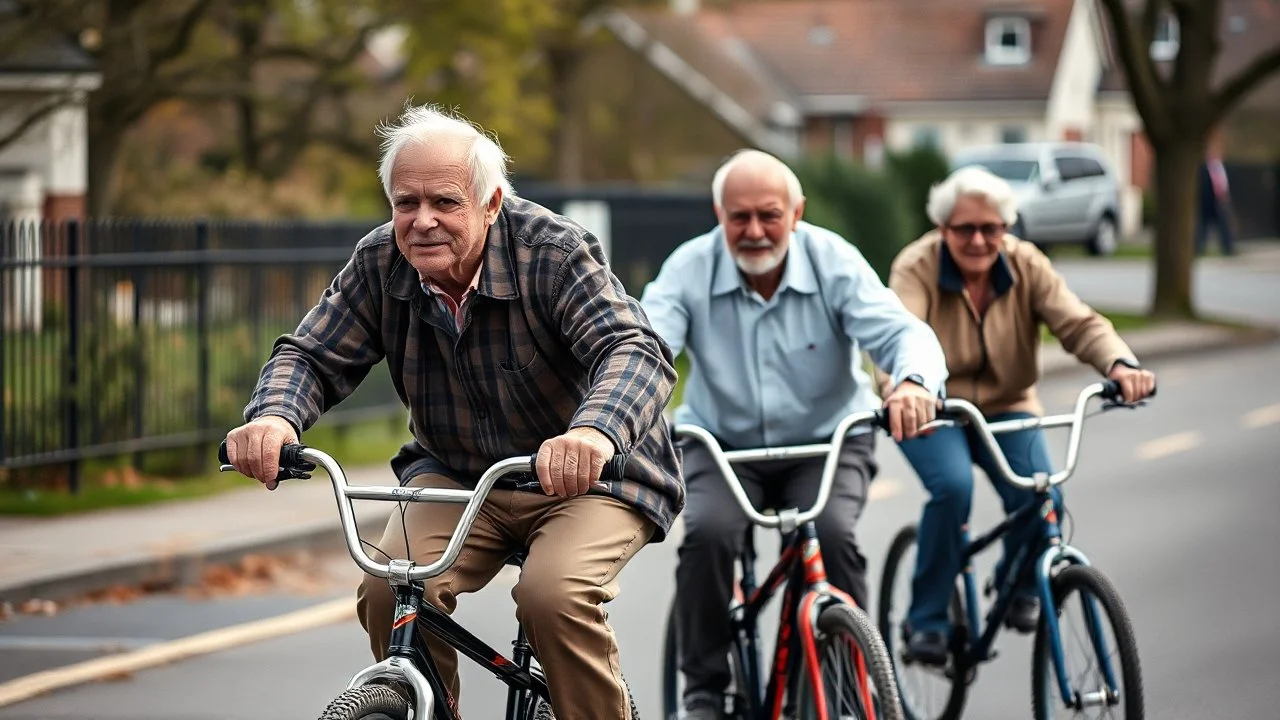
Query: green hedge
x=879, y=211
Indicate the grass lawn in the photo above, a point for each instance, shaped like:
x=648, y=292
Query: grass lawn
x=1123, y=322
x=1123, y=250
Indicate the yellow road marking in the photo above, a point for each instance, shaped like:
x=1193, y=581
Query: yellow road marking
x=29, y=686
x=884, y=487
x=1168, y=445
x=1261, y=417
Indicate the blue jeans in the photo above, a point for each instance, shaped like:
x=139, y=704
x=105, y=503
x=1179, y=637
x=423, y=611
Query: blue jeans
x=944, y=461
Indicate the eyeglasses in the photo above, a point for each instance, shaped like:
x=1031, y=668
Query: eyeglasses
x=991, y=231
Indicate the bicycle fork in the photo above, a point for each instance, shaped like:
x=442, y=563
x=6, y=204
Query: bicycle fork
x=399, y=664
x=1109, y=695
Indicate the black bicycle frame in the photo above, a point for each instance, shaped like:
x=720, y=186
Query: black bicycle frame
x=523, y=686
x=1021, y=565
x=800, y=568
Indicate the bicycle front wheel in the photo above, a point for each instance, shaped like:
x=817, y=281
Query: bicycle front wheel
x=1099, y=652
x=854, y=670
x=368, y=702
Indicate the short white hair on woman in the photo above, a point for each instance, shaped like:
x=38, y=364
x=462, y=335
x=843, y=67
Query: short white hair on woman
x=972, y=181
x=426, y=124
x=794, y=193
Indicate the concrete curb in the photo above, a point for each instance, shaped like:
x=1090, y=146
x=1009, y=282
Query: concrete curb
x=181, y=569
x=185, y=568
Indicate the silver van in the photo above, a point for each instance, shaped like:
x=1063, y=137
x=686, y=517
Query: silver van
x=1066, y=191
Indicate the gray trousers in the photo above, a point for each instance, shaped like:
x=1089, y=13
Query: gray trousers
x=714, y=528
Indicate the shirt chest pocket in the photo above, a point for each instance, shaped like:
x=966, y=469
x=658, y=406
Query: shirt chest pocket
x=813, y=367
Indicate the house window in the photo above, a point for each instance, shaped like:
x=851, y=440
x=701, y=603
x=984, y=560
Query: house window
x=1164, y=42
x=1008, y=41
x=925, y=136
x=1013, y=134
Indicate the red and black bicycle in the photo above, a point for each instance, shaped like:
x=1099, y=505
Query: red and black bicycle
x=829, y=661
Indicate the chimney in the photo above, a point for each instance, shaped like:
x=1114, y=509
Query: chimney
x=684, y=7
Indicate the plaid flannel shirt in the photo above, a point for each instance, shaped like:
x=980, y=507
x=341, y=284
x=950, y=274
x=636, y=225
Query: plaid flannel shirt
x=550, y=341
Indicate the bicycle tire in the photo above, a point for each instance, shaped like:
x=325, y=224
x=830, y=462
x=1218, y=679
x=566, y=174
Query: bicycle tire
x=844, y=619
x=1084, y=578
x=954, y=705
x=368, y=702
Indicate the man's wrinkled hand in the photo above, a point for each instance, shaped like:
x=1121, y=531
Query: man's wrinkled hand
x=254, y=448
x=1135, y=384
x=569, y=464
x=909, y=407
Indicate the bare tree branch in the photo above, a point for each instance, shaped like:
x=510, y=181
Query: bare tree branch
x=32, y=119
x=182, y=35
x=1245, y=80
x=1146, y=87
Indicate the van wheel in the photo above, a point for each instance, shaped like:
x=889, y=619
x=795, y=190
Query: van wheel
x=1105, y=237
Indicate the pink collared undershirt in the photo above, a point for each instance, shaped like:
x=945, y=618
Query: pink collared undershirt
x=455, y=307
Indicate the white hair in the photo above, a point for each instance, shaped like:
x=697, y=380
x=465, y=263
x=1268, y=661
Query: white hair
x=972, y=181
x=794, y=193
x=425, y=124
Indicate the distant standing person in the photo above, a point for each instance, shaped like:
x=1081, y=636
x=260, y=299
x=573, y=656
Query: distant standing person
x=1214, y=207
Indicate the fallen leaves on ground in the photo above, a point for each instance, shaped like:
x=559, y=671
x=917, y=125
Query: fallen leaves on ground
x=256, y=574
x=299, y=573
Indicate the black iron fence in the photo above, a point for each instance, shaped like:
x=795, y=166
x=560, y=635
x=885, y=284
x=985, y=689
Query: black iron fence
x=122, y=337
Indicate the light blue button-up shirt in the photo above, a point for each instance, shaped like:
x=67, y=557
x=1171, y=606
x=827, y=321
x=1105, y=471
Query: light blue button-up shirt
x=786, y=370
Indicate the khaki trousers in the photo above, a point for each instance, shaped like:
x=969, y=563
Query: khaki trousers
x=577, y=547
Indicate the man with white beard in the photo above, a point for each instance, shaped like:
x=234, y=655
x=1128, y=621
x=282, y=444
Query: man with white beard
x=774, y=313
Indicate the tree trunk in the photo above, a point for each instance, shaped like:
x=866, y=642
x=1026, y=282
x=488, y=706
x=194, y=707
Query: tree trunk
x=1176, y=166
x=104, y=150
x=569, y=144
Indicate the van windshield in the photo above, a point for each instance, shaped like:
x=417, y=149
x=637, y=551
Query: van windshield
x=1012, y=170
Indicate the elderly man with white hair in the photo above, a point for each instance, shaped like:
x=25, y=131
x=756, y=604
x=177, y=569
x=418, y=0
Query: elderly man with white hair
x=985, y=293
x=774, y=313
x=505, y=333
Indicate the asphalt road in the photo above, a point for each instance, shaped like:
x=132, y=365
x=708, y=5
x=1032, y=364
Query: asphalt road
x=1242, y=288
x=1175, y=502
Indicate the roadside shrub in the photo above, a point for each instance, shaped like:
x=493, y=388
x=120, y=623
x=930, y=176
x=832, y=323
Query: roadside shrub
x=916, y=171
x=867, y=208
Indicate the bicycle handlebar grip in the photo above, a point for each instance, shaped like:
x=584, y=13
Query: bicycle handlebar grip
x=292, y=466
x=1111, y=391
x=612, y=472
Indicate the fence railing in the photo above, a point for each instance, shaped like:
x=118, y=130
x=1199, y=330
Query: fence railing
x=120, y=337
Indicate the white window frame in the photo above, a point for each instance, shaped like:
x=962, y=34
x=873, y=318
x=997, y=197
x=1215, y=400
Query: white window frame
x=1166, y=47
x=998, y=54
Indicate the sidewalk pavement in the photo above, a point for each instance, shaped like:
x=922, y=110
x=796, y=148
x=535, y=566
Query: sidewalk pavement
x=170, y=545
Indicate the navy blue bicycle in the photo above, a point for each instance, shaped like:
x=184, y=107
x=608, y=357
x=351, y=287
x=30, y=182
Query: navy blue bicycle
x=1080, y=608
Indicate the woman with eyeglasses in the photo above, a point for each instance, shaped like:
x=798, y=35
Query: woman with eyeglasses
x=985, y=293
